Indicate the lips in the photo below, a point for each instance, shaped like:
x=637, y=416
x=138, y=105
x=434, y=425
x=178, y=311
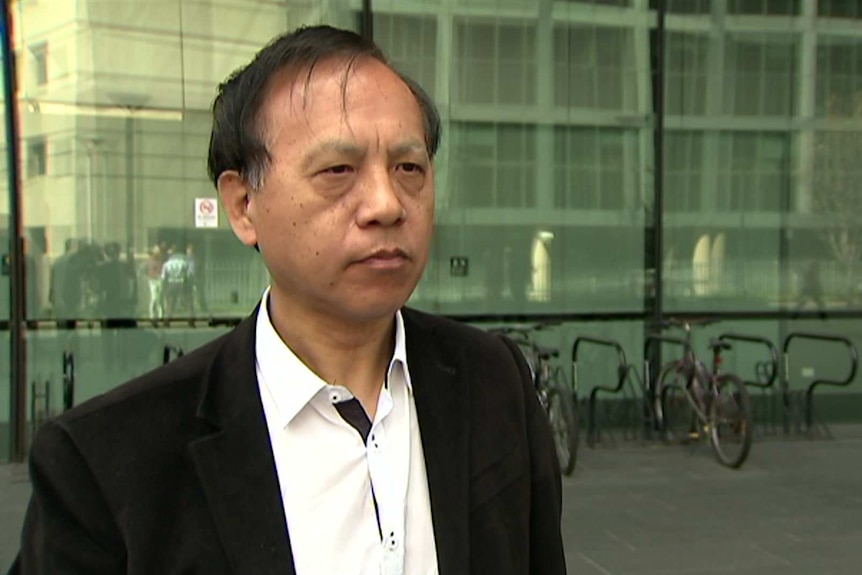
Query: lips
x=385, y=259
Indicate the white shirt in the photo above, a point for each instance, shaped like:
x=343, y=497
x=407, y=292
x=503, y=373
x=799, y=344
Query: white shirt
x=326, y=473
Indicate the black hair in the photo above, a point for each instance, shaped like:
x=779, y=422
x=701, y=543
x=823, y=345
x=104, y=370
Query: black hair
x=236, y=140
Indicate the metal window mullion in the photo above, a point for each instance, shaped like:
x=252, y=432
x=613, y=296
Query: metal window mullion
x=17, y=286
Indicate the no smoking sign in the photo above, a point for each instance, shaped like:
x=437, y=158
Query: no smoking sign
x=206, y=213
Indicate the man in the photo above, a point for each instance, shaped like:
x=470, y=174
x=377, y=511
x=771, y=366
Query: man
x=66, y=291
x=195, y=283
x=116, y=289
x=175, y=277
x=332, y=431
x=155, y=261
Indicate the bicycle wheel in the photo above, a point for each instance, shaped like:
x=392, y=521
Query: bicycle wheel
x=730, y=421
x=677, y=420
x=563, y=418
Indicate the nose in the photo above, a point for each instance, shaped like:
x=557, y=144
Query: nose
x=380, y=203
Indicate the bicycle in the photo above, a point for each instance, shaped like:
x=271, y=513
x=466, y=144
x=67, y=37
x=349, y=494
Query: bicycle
x=557, y=400
x=693, y=400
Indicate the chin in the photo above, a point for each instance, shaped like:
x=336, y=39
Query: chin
x=375, y=308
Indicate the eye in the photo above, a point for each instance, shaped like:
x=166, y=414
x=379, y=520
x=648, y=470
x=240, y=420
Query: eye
x=338, y=170
x=411, y=168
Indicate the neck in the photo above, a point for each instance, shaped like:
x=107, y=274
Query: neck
x=354, y=355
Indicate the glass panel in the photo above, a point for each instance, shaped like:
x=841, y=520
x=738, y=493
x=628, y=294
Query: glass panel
x=410, y=43
x=839, y=8
x=839, y=77
x=683, y=170
x=494, y=63
x=687, y=6
x=764, y=7
x=759, y=75
x=828, y=266
x=686, y=73
x=544, y=181
x=492, y=165
x=115, y=122
x=103, y=358
x=594, y=68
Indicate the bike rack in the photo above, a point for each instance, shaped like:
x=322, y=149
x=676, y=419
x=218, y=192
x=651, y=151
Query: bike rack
x=649, y=389
x=36, y=395
x=622, y=374
x=809, y=393
x=772, y=363
x=170, y=352
x=648, y=344
x=68, y=380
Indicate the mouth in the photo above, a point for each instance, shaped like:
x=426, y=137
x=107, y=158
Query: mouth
x=385, y=259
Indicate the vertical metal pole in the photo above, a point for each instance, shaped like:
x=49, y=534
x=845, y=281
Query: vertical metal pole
x=130, y=180
x=658, y=201
x=17, y=286
x=367, y=21
x=654, y=232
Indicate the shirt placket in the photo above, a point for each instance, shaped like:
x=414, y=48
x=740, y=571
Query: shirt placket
x=388, y=463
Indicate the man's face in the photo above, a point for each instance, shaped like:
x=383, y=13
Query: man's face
x=345, y=214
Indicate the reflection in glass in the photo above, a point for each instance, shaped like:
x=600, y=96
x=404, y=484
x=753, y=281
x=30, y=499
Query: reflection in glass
x=549, y=129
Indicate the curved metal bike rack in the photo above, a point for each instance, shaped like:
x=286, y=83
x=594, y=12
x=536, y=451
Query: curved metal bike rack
x=772, y=364
x=171, y=351
x=68, y=380
x=809, y=393
x=37, y=394
x=622, y=374
x=773, y=356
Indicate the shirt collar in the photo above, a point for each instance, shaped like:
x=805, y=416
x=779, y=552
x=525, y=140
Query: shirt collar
x=290, y=383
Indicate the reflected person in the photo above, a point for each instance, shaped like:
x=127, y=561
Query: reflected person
x=334, y=430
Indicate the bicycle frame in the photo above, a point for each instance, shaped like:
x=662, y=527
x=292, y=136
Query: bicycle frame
x=700, y=381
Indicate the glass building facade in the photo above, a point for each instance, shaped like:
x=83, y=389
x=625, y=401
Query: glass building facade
x=605, y=163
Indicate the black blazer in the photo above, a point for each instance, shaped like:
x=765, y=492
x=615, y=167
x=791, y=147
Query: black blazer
x=173, y=473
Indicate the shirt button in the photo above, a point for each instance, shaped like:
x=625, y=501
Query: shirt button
x=392, y=543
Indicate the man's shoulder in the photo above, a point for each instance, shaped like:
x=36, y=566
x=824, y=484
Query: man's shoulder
x=438, y=324
x=452, y=332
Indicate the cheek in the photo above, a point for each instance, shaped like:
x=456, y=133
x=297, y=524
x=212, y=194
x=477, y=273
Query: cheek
x=425, y=212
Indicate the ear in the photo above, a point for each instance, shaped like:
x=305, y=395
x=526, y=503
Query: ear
x=236, y=197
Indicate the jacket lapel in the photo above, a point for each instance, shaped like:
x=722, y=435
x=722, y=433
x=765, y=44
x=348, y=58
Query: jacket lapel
x=438, y=372
x=235, y=464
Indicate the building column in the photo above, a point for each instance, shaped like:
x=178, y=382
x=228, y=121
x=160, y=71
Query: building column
x=544, y=182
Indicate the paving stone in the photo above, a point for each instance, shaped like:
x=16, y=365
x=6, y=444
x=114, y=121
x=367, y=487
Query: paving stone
x=795, y=508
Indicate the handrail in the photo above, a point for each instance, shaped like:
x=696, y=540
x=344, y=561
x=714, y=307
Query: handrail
x=809, y=394
x=622, y=374
x=171, y=349
x=68, y=380
x=773, y=354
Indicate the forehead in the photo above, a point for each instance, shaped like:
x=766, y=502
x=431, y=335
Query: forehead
x=337, y=90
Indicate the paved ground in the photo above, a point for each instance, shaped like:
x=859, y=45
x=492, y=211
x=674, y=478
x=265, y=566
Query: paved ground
x=795, y=508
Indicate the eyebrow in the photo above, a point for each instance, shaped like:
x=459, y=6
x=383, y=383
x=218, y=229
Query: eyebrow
x=327, y=146
x=408, y=148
